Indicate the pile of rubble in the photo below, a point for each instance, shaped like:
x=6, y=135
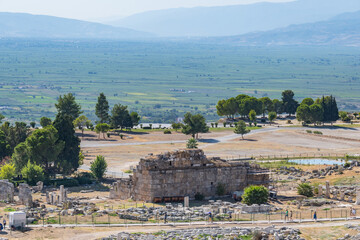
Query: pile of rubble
x=176, y=212
x=296, y=173
x=348, y=236
x=215, y=233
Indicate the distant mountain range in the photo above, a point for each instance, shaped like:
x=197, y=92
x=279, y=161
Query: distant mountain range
x=40, y=26
x=235, y=20
x=343, y=30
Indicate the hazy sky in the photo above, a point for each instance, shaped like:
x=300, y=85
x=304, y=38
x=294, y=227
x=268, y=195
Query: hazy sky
x=107, y=9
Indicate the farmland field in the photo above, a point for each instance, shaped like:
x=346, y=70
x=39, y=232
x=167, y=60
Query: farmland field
x=163, y=80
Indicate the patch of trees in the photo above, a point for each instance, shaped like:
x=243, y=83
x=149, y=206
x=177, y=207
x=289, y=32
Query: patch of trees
x=120, y=116
x=319, y=111
x=243, y=105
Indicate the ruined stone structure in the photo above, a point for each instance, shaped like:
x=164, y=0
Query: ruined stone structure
x=6, y=191
x=174, y=175
x=25, y=194
x=54, y=199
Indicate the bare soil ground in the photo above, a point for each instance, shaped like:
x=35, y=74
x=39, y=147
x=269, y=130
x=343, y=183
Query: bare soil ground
x=280, y=142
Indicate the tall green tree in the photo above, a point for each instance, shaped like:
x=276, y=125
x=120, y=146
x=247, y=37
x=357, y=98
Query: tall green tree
x=135, y=118
x=308, y=101
x=41, y=148
x=81, y=122
x=194, y=124
x=241, y=129
x=4, y=146
x=252, y=115
x=267, y=105
x=289, y=103
x=15, y=134
x=67, y=105
x=45, y=121
x=102, y=109
x=248, y=104
x=102, y=128
x=303, y=113
x=68, y=159
x=277, y=106
x=120, y=117
x=316, y=113
x=272, y=116
x=331, y=111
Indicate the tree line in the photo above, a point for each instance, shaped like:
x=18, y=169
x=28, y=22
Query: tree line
x=309, y=111
x=243, y=104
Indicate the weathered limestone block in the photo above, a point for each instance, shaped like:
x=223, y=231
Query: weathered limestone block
x=320, y=191
x=25, y=194
x=186, y=201
x=6, y=191
x=357, y=197
x=327, y=193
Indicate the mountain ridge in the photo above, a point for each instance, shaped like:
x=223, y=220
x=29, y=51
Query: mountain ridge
x=24, y=25
x=234, y=20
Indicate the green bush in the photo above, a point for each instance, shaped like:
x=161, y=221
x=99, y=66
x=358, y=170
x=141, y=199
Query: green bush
x=32, y=173
x=98, y=167
x=146, y=127
x=318, y=132
x=85, y=178
x=167, y=131
x=191, y=143
x=199, y=196
x=308, y=131
x=7, y=171
x=71, y=182
x=305, y=189
x=220, y=189
x=255, y=195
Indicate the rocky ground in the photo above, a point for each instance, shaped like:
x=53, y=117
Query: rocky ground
x=215, y=233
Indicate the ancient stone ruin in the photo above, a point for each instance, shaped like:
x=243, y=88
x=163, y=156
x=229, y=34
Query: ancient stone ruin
x=6, y=191
x=174, y=175
x=54, y=199
x=25, y=194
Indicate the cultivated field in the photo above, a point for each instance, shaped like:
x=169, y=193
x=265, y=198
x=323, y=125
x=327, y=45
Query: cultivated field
x=164, y=80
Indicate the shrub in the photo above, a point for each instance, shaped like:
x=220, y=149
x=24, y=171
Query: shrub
x=216, y=124
x=255, y=195
x=167, y=131
x=7, y=171
x=85, y=178
x=199, y=196
x=305, y=189
x=224, y=124
x=318, y=132
x=32, y=173
x=98, y=167
x=146, y=127
x=289, y=122
x=66, y=182
x=220, y=189
x=191, y=143
x=308, y=131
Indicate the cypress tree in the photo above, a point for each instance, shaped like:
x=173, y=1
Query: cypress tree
x=102, y=109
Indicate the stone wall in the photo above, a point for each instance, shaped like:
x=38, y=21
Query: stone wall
x=185, y=173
